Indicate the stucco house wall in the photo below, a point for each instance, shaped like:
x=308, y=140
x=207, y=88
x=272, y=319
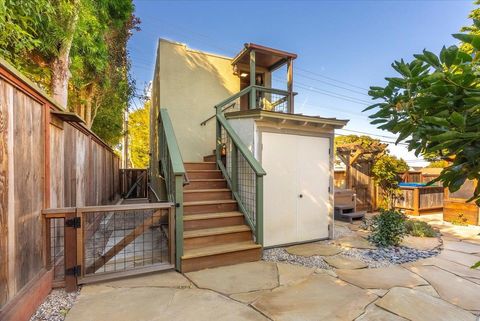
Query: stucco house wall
x=189, y=84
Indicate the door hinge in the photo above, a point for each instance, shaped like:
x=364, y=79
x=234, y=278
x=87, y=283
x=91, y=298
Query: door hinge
x=75, y=222
x=329, y=151
x=75, y=271
x=329, y=189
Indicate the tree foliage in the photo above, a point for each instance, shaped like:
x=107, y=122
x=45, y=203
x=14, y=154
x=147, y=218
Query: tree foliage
x=139, y=136
x=434, y=105
x=99, y=89
x=386, y=173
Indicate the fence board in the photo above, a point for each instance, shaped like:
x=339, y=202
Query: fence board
x=3, y=194
x=43, y=162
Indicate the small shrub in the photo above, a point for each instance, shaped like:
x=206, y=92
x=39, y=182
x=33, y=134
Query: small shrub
x=418, y=228
x=388, y=228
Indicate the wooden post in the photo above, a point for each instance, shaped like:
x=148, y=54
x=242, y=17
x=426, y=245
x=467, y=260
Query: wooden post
x=253, y=94
x=416, y=201
x=259, y=210
x=290, y=85
x=179, y=220
x=70, y=253
x=234, y=160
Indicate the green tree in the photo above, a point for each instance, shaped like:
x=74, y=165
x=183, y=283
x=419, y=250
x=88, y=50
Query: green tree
x=386, y=173
x=139, y=136
x=434, y=105
x=75, y=49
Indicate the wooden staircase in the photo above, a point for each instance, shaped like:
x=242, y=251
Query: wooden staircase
x=215, y=232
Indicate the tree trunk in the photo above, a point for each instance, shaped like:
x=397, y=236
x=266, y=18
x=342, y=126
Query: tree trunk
x=89, y=106
x=60, y=64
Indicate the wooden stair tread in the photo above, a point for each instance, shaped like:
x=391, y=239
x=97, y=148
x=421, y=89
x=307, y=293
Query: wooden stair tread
x=207, y=180
x=219, y=249
x=203, y=170
x=199, y=162
x=216, y=231
x=208, y=216
x=214, y=202
x=207, y=190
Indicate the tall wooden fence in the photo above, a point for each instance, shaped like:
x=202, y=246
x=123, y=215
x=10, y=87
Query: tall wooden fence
x=47, y=160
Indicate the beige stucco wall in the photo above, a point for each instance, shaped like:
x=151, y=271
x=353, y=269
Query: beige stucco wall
x=189, y=84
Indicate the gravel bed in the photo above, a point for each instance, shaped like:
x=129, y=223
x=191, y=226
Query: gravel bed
x=55, y=306
x=380, y=257
x=280, y=255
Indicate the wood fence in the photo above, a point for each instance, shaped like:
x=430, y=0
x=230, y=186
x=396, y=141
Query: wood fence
x=48, y=159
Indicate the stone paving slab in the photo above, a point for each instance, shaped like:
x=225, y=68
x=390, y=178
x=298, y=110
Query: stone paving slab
x=374, y=313
x=421, y=243
x=459, y=257
x=246, y=277
x=381, y=278
x=249, y=297
x=452, y=267
x=169, y=279
x=321, y=297
x=450, y=287
x=169, y=304
x=291, y=274
x=354, y=242
x=428, y=289
x=464, y=247
x=342, y=262
x=418, y=306
x=312, y=249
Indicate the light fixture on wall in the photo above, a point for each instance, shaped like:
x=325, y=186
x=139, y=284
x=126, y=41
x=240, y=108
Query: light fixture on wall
x=243, y=74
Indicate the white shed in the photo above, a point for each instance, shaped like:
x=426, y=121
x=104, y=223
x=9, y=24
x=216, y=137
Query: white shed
x=296, y=151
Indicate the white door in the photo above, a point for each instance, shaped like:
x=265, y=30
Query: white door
x=313, y=170
x=280, y=208
x=296, y=197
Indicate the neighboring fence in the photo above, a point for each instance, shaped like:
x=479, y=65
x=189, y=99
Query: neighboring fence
x=134, y=183
x=47, y=159
x=417, y=200
x=101, y=242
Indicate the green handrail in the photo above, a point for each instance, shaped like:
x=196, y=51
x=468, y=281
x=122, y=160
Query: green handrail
x=174, y=150
x=174, y=172
x=256, y=166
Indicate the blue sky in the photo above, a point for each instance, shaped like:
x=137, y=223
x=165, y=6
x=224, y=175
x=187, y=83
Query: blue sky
x=343, y=47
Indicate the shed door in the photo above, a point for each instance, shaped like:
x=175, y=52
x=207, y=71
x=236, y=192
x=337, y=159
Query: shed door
x=296, y=197
x=313, y=170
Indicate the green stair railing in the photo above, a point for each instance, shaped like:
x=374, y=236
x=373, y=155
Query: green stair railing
x=244, y=174
x=173, y=171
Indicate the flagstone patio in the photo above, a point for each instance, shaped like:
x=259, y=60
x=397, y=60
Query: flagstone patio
x=439, y=288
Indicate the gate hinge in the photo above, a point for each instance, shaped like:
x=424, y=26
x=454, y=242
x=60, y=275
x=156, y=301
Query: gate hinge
x=75, y=271
x=177, y=205
x=75, y=222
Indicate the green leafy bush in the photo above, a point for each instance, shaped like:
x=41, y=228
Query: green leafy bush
x=418, y=228
x=388, y=228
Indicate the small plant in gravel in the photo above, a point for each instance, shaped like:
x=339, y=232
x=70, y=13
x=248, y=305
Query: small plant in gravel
x=388, y=228
x=419, y=228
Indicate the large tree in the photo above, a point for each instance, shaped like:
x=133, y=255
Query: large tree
x=77, y=51
x=434, y=105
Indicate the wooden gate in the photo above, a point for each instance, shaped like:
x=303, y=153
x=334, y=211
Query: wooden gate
x=105, y=242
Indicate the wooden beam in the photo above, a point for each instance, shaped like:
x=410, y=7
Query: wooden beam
x=353, y=158
x=114, y=250
x=290, y=84
x=253, y=95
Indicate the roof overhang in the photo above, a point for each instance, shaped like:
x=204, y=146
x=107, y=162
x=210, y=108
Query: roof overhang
x=302, y=120
x=265, y=57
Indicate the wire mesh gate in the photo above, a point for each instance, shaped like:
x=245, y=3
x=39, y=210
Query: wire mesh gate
x=97, y=243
